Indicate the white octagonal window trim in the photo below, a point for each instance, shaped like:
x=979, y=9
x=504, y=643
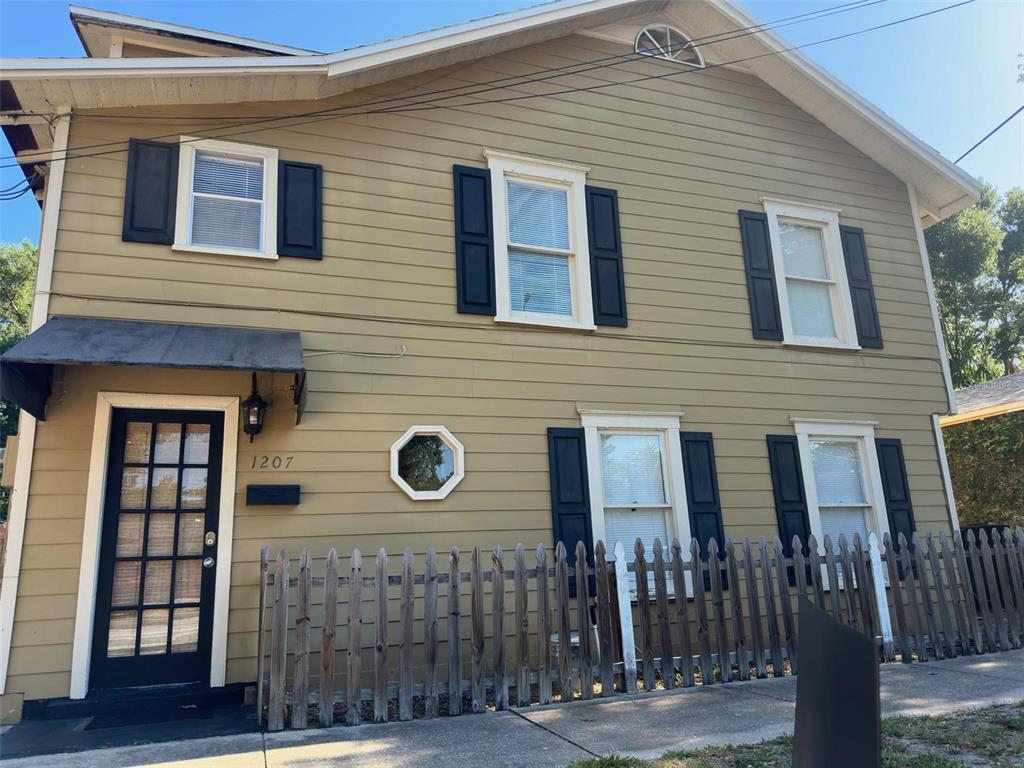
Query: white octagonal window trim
x=427, y=462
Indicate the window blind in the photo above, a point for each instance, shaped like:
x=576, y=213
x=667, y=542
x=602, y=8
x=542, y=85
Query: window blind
x=803, y=251
x=843, y=520
x=837, y=472
x=540, y=283
x=810, y=308
x=631, y=470
x=626, y=525
x=538, y=215
x=227, y=204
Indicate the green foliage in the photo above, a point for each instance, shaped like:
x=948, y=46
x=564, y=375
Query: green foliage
x=17, y=272
x=986, y=464
x=977, y=259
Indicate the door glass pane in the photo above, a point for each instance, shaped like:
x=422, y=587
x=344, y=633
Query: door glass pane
x=837, y=472
x=168, y=444
x=193, y=488
x=161, y=535
x=803, y=250
x=158, y=582
x=810, y=309
x=121, y=636
x=136, y=442
x=154, y=632
x=188, y=576
x=165, y=488
x=197, y=443
x=129, y=535
x=538, y=215
x=133, y=487
x=540, y=283
x=185, y=632
x=631, y=470
x=190, y=534
x=125, y=590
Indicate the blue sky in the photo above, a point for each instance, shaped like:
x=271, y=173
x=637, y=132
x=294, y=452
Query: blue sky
x=949, y=78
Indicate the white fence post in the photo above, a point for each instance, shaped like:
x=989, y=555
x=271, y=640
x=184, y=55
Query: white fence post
x=881, y=598
x=625, y=617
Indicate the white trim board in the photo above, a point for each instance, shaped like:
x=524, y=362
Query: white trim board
x=89, y=568
x=18, y=510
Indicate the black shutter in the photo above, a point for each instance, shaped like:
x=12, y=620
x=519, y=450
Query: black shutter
x=300, y=216
x=788, y=487
x=570, y=492
x=862, y=291
x=702, y=497
x=765, y=320
x=474, y=241
x=606, y=278
x=151, y=192
x=895, y=488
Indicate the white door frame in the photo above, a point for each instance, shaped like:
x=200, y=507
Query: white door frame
x=89, y=569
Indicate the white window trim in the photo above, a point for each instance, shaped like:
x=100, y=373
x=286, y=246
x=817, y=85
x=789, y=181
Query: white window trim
x=85, y=610
x=573, y=178
x=596, y=422
x=458, y=462
x=183, y=212
x=864, y=432
x=842, y=305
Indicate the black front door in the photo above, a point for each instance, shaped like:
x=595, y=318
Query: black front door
x=154, y=599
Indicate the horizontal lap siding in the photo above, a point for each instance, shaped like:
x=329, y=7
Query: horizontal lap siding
x=684, y=153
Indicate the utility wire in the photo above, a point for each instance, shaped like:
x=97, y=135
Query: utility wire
x=429, y=106
x=991, y=133
x=578, y=67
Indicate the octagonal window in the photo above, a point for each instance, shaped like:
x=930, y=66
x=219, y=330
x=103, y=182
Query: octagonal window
x=427, y=462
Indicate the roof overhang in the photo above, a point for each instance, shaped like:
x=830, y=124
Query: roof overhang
x=26, y=369
x=45, y=84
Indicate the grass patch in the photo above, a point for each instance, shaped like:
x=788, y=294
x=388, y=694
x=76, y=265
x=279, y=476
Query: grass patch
x=987, y=738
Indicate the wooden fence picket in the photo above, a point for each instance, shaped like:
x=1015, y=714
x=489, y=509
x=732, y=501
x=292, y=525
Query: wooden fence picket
x=865, y=588
x=718, y=603
x=498, y=628
x=300, y=685
x=926, y=596
x=981, y=592
x=430, y=641
x=643, y=607
x=1006, y=590
x=958, y=604
x=994, y=594
x=771, y=613
x=327, y=640
x=406, y=650
x=814, y=560
x=800, y=570
x=454, y=636
x=262, y=631
x=353, y=714
x=700, y=588
x=736, y=602
x=902, y=628
x=682, y=612
x=380, y=640
x=754, y=606
x=586, y=671
x=543, y=628
x=1016, y=580
x=605, y=627
x=668, y=675
x=913, y=606
x=788, y=619
x=847, y=586
x=941, y=597
x=478, y=693
x=564, y=623
x=834, y=587
x=971, y=607
x=522, y=629
x=624, y=609
x=279, y=645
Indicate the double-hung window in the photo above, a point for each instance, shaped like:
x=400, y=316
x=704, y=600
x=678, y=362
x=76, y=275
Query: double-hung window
x=542, y=258
x=636, y=480
x=227, y=198
x=814, y=295
x=842, y=480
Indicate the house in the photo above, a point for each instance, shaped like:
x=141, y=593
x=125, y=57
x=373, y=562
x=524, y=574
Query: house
x=987, y=400
x=596, y=269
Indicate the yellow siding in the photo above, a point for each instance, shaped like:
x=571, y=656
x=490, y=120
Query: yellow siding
x=685, y=153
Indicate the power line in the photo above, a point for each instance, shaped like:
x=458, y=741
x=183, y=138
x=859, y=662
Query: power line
x=444, y=94
x=430, y=106
x=990, y=133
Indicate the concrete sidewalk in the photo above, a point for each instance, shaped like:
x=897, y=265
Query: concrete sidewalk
x=645, y=726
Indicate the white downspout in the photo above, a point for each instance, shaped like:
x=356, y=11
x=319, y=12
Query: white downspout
x=27, y=424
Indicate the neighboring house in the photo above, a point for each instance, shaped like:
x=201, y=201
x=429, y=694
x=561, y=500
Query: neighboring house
x=657, y=293
x=985, y=442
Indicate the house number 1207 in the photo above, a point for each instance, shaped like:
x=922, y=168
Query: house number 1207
x=271, y=462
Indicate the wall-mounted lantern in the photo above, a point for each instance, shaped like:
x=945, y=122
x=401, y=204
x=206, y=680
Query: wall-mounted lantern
x=254, y=408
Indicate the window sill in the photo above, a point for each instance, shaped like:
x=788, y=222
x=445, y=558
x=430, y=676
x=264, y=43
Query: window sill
x=812, y=344
x=565, y=325
x=215, y=251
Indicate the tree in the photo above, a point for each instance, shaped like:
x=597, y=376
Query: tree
x=1007, y=285
x=964, y=250
x=17, y=272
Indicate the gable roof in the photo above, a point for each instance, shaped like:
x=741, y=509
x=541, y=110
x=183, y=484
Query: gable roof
x=43, y=84
x=990, y=398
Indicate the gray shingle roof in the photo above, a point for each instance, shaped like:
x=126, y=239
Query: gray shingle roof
x=1008, y=389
